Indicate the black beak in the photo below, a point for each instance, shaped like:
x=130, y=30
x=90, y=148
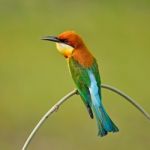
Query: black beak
x=52, y=38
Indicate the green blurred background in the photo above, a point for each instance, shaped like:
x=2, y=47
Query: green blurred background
x=34, y=76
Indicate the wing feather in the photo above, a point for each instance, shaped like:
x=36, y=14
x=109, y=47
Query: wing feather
x=80, y=75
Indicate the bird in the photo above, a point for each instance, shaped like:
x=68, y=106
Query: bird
x=85, y=74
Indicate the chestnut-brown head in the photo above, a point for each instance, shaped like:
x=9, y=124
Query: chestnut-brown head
x=66, y=42
x=71, y=38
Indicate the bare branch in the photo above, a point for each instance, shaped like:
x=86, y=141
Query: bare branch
x=50, y=111
x=128, y=98
x=61, y=101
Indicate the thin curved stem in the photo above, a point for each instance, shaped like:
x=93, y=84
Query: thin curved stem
x=128, y=98
x=50, y=111
x=70, y=94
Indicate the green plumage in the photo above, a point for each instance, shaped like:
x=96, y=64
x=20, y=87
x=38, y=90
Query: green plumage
x=82, y=80
x=88, y=83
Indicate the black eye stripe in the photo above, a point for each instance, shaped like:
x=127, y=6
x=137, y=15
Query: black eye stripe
x=64, y=41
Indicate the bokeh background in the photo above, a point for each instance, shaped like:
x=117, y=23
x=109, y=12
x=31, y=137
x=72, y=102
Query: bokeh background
x=34, y=76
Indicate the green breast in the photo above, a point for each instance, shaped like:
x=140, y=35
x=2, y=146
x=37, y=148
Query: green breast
x=79, y=72
x=81, y=77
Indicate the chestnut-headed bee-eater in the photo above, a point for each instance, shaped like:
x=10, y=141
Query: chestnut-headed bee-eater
x=85, y=73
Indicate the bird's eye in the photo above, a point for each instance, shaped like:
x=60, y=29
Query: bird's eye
x=64, y=41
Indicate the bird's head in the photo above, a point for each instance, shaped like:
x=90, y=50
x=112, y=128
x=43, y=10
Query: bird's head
x=66, y=42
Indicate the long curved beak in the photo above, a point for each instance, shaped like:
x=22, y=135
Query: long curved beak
x=51, y=38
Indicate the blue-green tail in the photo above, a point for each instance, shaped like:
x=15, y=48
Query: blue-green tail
x=105, y=124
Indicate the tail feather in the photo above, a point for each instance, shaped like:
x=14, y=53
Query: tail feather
x=105, y=124
x=101, y=130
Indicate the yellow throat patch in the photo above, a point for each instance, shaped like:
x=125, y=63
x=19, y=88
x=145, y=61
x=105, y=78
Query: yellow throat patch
x=64, y=49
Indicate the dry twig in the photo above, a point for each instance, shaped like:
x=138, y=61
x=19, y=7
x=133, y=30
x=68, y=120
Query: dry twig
x=70, y=94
